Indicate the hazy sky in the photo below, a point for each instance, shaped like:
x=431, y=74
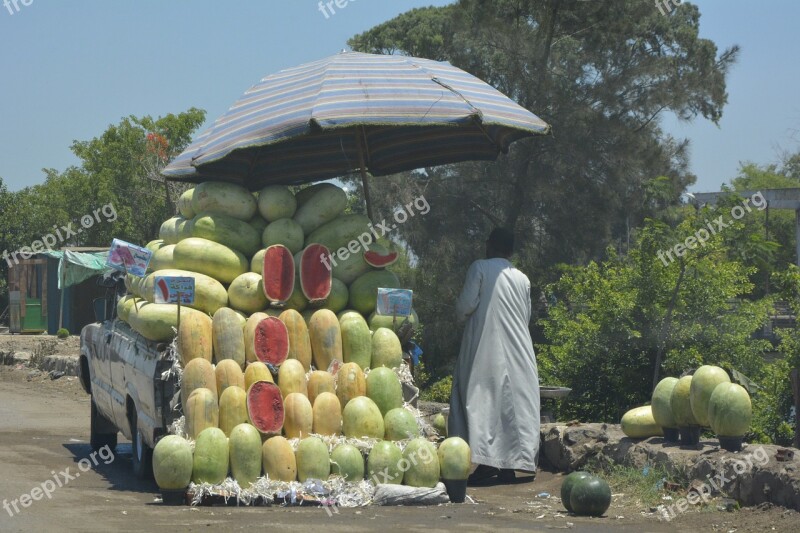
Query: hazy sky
x=70, y=69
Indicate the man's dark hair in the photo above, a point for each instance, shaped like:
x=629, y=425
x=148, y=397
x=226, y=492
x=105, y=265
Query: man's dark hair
x=502, y=241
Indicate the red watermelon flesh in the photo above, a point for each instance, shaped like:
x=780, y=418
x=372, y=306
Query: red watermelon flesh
x=278, y=274
x=380, y=257
x=316, y=276
x=271, y=341
x=265, y=407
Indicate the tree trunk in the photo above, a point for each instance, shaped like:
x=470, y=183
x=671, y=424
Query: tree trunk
x=662, y=336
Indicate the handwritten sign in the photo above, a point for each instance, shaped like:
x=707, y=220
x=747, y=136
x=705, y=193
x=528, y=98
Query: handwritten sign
x=128, y=258
x=394, y=302
x=174, y=289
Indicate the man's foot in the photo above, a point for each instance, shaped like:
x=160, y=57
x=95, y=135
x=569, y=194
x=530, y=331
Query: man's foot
x=483, y=475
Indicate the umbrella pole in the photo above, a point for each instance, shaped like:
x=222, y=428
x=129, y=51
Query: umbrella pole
x=364, y=179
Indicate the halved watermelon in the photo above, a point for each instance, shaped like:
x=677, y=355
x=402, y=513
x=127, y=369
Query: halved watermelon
x=271, y=341
x=379, y=256
x=278, y=274
x=265, y=407
x=316, y=275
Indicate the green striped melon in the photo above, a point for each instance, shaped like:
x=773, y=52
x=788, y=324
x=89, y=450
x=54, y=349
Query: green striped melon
x=185, y=207
x=350, y=268
x=225, y=199
x=454, y=458
x=384, y=463
x=195, y=337
x=364, y=290
x=245, y=454
x=157, y=322
x=386, y=349
x=258, y=223
x=284, y=231
x=210, y=258
x=162, y=258
x=362, y=418
x=313, y=461
x=423, y=464
x=347, y=461
x=172, y=463
x=387, y=321
x=228, y=335
x=323, y=205
x=211, y=457
x=356, y=340
x=227, y=230
x=400, y=424
x=172, y=230
x=246, y=293
x=209, y=294
x=342, y=230
x=276, y=202
x=384, y=388
x=338, y=297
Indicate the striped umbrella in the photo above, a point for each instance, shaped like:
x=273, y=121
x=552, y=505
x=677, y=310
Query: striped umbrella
x=355, y=112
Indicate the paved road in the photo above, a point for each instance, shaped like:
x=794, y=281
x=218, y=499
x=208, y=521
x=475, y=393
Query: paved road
x=44, y=435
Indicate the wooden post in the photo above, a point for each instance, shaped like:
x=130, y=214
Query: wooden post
x=364, y=179
x=795, y=377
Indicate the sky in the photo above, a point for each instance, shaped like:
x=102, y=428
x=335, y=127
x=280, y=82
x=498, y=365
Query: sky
x=68, y=70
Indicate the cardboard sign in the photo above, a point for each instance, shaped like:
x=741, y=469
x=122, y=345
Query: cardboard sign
x=174, y=289
x=128, y=258
x=394, y=302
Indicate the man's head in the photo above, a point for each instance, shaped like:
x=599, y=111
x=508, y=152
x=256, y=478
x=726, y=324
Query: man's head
x=500, y=243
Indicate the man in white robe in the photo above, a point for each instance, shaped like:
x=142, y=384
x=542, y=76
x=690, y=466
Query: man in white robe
x=494, y=404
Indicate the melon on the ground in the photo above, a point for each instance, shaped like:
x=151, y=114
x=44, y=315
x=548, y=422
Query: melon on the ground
x=568, y=484
x=299, y=340
x=278, y=459
x=350, y=383
x=454, y=458
x=326, y=338
x=292, y=378
x=730, y=410
x=660, y=403
x=327, y=414
x=423, y=464
x=197, y=374
x=265, y=407
x=347, y=461
x=172, y=463
x=211, y=457
x=356, y=340
x=341, y=231
x=364, y=290
x=400, y=424
x=680, y=403
x=232, y=409
x=228, y=373
x=256, y=371
x=278, y=274
x=384, y=463
x=184, y=204
x=315, y=274
x=223, y=198
x=362, y=418
x=244, y=444
x=210, y=258
x=313, y=461
x=386, y=349
x=318, y=382
x=228, y=230
x=276, y=202
x=590, y=496
x=201, y=411
x=246, y=293
x=704, y=380
x=298, y=416
x=384, y=388
x=321, y=206
x=195, y=338
x=284, y=231
x=638, y=423
x=271, y=341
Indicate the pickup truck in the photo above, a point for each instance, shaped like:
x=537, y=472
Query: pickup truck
x=122, y=371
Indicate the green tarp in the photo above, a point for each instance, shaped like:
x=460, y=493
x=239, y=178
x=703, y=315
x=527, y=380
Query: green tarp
x=75, y=267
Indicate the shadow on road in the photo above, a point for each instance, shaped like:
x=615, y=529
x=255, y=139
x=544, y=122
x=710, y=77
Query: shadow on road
x=119, y=470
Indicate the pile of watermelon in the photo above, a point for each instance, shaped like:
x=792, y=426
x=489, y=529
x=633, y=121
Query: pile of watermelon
x=283, y=356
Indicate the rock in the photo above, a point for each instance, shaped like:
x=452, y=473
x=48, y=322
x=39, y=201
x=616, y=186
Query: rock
x=55, y=374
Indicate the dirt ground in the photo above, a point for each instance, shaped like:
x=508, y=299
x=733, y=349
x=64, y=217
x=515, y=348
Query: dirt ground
x=44, y=430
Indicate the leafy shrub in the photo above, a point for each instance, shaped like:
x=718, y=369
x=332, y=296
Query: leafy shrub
x=62, y=333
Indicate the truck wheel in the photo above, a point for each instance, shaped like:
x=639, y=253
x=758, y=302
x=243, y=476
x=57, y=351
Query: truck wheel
x=142, y=453
x=98, y=424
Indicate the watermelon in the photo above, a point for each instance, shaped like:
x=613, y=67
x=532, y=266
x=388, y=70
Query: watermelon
x=305, y=193
x=210, y=258
x=660, y=403
x=384, y=388
x=256, y=371
x=364, y=290
x=704, y=381
x=297, y=300
x=228, y=373
x=185, y=207
x=211, y=457
x=225, y=199
x=292, y=378
x=265, y=407
x=386, y=349
x=276, y=202
x=327, y=414
x=258, y=223
x=195, y=337
x=356, y=340
x=339, y=233
x=313, y=461
x=271, y=341
x=422, y=464
x=257, y=262
x=298, y=416
x=379, y=256
x=197, y=374
x=680, y=403
x=245, y=454
x=362, y=418
x=278, y=274
x=400, y=424
x=386, y=321
x=155, y=245
x=638, y=423
x=157, y=322
x=318, y=382
x=299, y=340
x=172, y=230
x=315, y=274
x=172, y=463
x=284, y=231
x=209, y=294
x=590, y=496
x=232, y=409
x=384, y=463
x=246, y=293
x=347, y=461
x=278, y=459
x=201, y=411
x=227, y=230
x=730, y=410
x=124, y=306
x=322, y=206
x=350, y=382
x=249, y=333
x=228, y=335
x=440, y=424
x=162, y=258
x=454, y=458
x=337, y=299
x=350, y=268
x=568, y=484
x=326, y=338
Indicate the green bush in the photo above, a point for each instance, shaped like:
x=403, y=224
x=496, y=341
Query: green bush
x=439, y=391
x=62, y=333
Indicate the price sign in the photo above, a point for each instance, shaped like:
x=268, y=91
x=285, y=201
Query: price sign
x=128, y=258
x=394, y=302
x=174, y=289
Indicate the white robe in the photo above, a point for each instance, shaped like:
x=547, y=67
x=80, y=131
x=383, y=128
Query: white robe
x=494, y=405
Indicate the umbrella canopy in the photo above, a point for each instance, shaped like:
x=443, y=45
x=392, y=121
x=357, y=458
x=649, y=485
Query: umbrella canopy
x=355, y=112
